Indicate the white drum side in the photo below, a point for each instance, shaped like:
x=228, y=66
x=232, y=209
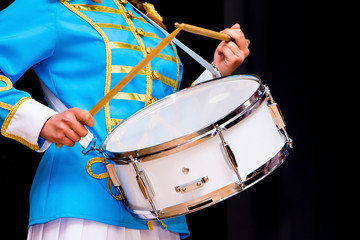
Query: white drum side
x=254, y=141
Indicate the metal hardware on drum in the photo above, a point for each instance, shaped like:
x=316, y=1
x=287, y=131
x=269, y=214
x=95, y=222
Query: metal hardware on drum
x=144, y=186
x=200, y=202
x=219, y=195
x=277, y=116
x=229, y=155
x=185, y=170
x=188, y=188
x=184, y=188
x=268, y=167
x=115, y=179
x=109, y=167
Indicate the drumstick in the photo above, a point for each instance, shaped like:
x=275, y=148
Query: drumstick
x=166, y=41
x=134, y=71
x=206, y=32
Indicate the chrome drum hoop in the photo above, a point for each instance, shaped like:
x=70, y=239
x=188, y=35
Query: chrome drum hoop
x=195, y=138
x=218, y=195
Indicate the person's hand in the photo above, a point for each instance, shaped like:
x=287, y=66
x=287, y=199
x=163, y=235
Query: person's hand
x=67, y=128
x=229, y=55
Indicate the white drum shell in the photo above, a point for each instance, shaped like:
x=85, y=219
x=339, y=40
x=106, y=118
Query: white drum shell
x=254, y=141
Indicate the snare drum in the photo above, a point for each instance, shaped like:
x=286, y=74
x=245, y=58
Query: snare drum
x=197, y=147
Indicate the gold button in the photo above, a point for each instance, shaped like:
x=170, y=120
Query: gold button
x=155, y=74
x=148, y=50
x=152, y=100
x=123, y=1
x=130, y=14
x=140, y=32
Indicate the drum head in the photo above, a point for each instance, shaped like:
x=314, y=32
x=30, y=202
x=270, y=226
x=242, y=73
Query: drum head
x=181, y=113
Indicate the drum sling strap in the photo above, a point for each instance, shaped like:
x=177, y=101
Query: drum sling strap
x=208, y=66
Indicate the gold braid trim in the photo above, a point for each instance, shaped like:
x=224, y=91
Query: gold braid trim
x=101, y=175
x=94, y=175
x=108, y=57
x=149, y=8
x=7, y=82
x=7, y=121
x=118, y=197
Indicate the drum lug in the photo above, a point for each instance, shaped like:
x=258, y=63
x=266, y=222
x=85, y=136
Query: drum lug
x=144, y=185
x=230, y=156
x=115, y=179
x=277, y=116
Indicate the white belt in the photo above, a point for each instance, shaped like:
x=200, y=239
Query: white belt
x=210, y=67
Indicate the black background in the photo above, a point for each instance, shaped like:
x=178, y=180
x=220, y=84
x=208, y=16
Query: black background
x=295, y=50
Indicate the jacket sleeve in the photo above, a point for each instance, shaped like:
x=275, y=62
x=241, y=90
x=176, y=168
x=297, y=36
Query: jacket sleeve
x=27, y=37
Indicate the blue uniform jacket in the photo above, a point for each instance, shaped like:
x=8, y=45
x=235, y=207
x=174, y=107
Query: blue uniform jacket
x=79, y=50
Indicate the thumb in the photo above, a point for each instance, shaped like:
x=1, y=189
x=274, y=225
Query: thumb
x=236, y=26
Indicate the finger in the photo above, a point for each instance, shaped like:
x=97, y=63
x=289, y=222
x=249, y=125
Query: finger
x=78, y=127
x=233, y=48
x=228, y=54
x=220, y=48
x=235, y=54
x=238, y=36
x=84, y=117
x=62, y=136
x=240, y=54
x=73, y=123
x=67, y=142
x=71, y=137
x=69, y=132
x=236, y=26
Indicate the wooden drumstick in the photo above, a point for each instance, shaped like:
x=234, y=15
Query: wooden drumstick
x=135, y=71
x=166, y=41
x=206, y=32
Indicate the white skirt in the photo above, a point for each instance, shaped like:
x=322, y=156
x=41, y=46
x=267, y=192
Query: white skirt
x=77, y=229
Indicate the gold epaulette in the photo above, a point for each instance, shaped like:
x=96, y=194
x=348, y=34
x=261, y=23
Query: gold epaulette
x=149, y=8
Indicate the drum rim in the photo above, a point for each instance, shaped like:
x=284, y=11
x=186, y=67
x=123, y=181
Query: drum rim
x=189, y=140
x=218, y=195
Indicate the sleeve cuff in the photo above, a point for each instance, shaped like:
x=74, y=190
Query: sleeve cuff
x=25, y=122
